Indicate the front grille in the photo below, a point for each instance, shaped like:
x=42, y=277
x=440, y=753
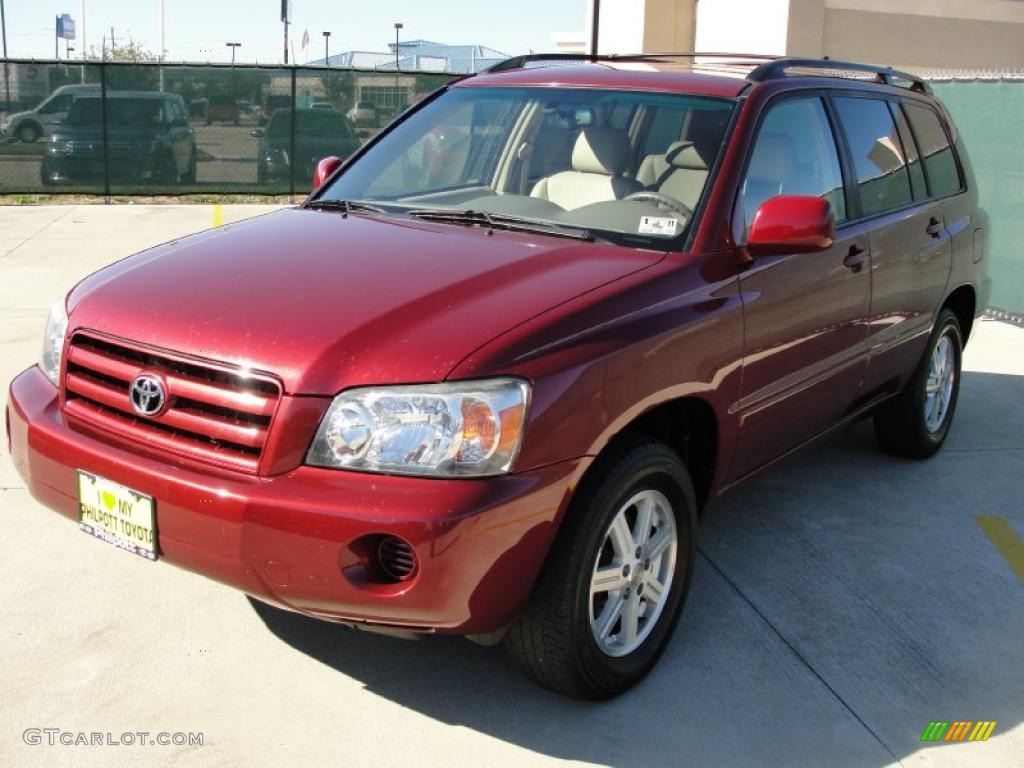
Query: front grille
x=216, y=415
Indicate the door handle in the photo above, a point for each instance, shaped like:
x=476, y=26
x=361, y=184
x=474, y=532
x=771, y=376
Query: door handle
x=855, y=258
x=934, y=227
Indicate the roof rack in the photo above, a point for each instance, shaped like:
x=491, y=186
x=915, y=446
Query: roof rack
x=777, y=69
x=766, y=67
x=519, y=62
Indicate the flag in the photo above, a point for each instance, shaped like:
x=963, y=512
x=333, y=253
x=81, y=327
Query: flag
x=305, y=39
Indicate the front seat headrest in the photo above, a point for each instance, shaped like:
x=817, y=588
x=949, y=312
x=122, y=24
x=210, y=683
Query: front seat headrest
x=686, y=156
x=601, y=150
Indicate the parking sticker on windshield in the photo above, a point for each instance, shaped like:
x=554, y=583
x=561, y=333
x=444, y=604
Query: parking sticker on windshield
x=655, y=225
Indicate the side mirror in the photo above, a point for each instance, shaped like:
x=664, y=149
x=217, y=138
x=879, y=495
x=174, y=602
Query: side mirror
x=792, y=224
x=256, y=133
x=324, y=169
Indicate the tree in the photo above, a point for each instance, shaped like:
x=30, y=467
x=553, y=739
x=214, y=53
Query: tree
x=339, y=89
x=128, y=78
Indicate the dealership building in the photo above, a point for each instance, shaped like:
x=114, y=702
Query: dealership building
x=911, y=34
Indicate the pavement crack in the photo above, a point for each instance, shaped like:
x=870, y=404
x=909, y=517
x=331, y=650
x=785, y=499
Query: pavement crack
x=796, y=652
x=39, y=231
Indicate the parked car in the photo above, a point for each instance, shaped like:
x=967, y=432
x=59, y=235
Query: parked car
x=34, y=124
x=363, y=114
x=271, y=103
x=222, y=111
x=148, y=137
x=323, y=105
x=486, y=379
x=318, y=133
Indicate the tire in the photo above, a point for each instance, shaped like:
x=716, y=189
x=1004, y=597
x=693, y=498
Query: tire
x=189, y=176
x=553, y=640
x=166, y=173
x=908, y=425
x=29, y=133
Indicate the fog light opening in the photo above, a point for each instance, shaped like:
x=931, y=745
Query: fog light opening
x=396, y=558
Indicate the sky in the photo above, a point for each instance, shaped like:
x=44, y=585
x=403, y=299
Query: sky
x=197, y=30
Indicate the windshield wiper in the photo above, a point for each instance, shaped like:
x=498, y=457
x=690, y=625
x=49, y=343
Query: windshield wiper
x=500, y=221
x=345, y=206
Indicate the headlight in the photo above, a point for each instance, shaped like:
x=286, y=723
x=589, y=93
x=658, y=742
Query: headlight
x=458, y=429
x=53, y=342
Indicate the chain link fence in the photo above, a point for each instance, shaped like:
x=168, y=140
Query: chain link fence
x=144, y=128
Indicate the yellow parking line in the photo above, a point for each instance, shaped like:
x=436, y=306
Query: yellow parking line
x=218, y=215
x=1006, y=541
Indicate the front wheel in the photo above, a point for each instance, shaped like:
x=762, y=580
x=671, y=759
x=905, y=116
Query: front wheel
x=615, y=581
x=915, y=423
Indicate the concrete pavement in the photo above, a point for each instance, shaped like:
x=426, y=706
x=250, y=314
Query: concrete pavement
x=841, y=602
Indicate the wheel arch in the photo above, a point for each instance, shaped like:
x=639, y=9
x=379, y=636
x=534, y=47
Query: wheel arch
x=690, y=426
x=963, y=302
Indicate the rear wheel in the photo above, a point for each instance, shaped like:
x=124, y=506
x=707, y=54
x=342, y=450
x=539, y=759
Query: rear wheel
x=915, y=423
x=166, y=174
x=614, y=584
x=29, y=132
x=189, y=177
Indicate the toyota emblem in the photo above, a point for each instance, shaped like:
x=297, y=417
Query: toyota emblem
x=147, y=395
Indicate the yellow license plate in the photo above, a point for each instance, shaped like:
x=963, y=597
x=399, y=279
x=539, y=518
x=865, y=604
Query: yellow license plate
x=117, y=515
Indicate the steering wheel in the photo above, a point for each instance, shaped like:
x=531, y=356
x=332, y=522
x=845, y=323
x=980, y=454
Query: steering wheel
x=645, y=196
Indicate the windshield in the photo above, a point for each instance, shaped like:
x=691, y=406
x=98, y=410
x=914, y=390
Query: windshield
x=613, y=162
x=125, y=112
x=312, y=123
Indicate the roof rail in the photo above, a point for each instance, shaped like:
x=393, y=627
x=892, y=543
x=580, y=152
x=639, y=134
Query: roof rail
x=519, y=62
x=777, y=68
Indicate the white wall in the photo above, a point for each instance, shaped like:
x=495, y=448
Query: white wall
x=622, y=26
x=741, y=26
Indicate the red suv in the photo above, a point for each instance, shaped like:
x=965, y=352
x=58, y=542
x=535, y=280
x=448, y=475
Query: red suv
x=486, y=378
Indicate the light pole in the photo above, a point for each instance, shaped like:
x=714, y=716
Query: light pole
x=163, y=43
x=327, y=51
x=233, y=47
x=398, y=26
x=7, y=74
x=595, y=26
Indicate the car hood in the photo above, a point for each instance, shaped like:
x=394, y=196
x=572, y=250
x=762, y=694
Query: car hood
x=326, y=301
x=18, y=116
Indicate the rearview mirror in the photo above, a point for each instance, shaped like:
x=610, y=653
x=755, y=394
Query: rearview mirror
x=256, y=133
x=324, y=169
x=792, y=224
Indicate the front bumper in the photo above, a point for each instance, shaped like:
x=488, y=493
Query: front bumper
x=287, y=539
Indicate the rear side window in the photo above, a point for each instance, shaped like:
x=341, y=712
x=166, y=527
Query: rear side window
x=880, y=167
x=939, y=162
x=910, y=150
x=794, y=154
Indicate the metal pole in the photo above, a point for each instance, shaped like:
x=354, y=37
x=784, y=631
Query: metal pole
x=163, y=45
x=56, y=39
x=233, y=47
x=3, y=26
x=286, y=41
x=595, y=26
x=103, y=119
x=327, y=50
x=7, y=73
x=398, y=26
x=81, y=13
x=291, y=148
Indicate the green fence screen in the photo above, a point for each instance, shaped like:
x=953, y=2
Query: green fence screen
x=990, y=114
x=126, y=128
